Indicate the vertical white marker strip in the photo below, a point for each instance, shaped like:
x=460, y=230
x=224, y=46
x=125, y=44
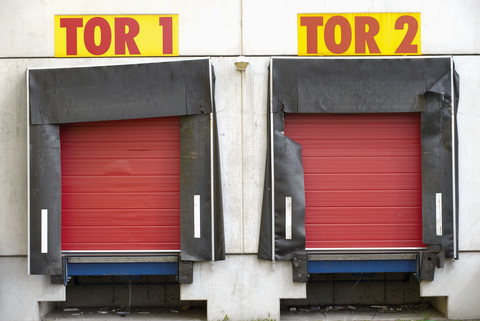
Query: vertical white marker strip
x=212, y=168
x=28, y=170
x=288, y=218
x=44, y=236
x=454, y=164
x=272, y=160
x=212, y=190
x=438, y=212
x=196, y=216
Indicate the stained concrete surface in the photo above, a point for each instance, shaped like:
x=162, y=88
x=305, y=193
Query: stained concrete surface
x=144, y=313
x=376, y=313
x=316, y=313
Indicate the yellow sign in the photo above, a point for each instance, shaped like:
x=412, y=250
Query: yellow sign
x=111, y=36
x=359, y=34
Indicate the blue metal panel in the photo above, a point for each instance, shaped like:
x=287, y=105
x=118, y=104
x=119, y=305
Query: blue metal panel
x=157, y=268
x=369, y=266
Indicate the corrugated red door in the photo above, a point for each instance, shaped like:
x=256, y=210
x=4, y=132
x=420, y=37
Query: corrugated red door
x=362, y=179
x=121, y=185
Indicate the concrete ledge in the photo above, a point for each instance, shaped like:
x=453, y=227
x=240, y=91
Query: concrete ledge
x=459, y=281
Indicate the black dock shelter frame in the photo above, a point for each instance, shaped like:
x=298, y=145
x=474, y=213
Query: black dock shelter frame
x=69, y=95
x=302, y=85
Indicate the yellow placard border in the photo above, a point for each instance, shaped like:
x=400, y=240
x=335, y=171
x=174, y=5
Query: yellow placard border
x=388, y=39
x=149, y=39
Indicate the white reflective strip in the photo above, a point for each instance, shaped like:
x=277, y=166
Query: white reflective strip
x=28, y=169
x=196, y=216
x=438, y=212
x=288, y=218
x=454, y=164
x=272, y=163
x=44, y=236
x=212, y=190
x=121, y=251
x=364, y=249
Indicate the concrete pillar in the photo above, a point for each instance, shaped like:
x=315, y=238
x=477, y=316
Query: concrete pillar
x=242, y=288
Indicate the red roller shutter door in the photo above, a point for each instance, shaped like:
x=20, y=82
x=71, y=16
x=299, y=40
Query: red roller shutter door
x=362, y=179
x=121, y=185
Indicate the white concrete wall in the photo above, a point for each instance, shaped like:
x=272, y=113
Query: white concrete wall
x=468, y=67
x=459, y=281
x=241, y=102
x=28, y=25
x=20, y=294
x=216, y=27
x=448, y=26
x=226, y=30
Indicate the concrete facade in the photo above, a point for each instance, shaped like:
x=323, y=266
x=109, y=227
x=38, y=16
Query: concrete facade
x=459, y=280
x=252, y=292
x=230, y=31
